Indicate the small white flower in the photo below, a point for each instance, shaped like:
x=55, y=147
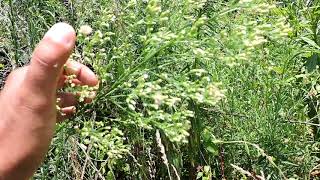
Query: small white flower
x=145, y=76
x=86, y=30
x=113, y=19
x=158, y=98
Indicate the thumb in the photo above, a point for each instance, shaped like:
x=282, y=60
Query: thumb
x=48, y=59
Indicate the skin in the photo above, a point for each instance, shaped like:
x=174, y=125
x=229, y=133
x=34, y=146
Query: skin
x=28, y=103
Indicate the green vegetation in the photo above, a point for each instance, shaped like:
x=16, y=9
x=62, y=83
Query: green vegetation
x=189, y=89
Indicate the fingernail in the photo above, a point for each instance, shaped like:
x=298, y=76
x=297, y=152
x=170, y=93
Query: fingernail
x=61, y=33
x=74, y=109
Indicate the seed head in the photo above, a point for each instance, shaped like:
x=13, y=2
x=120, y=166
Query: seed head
x=85, y=30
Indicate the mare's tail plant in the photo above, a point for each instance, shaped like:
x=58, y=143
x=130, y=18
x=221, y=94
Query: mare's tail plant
x=149, y=63
x=152, y=58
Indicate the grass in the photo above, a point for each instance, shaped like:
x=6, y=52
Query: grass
x=189, y=89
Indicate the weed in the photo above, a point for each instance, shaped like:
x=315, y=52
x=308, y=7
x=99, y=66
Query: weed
x=188, y=89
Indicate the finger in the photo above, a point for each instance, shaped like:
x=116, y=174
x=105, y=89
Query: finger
x=66, y=113
x=83, y=73
x=90, y=98
x=49, y=57
x=67, y=99
x=61, y=81
x=77, y=82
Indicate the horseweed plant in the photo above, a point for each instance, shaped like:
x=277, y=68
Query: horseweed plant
x=158, y=88
x=150, y=78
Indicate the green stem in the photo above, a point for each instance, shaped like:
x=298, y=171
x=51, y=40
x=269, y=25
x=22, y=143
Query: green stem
x=13, y=32
x=131, y=71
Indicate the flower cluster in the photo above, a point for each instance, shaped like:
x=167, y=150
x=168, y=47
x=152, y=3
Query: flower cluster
x=251, y=30
x=163, y=103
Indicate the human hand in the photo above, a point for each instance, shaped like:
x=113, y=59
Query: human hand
x=28, y=103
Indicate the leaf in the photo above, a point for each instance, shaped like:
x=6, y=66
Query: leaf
x=199, y=175
x=110, y=175
x=213, y=150
x=312, y=62
x=206, y=169
x=311, y=42
x=247, y=148
x=278, y=70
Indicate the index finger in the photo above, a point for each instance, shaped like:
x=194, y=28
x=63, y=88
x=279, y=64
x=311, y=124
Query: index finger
x=84, y=74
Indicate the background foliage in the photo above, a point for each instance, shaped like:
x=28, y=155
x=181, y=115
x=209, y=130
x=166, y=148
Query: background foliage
x=188, y=89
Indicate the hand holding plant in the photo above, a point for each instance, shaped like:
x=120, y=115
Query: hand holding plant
x=28, y=102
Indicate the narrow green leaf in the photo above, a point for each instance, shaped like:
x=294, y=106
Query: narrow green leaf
x=311, y=42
